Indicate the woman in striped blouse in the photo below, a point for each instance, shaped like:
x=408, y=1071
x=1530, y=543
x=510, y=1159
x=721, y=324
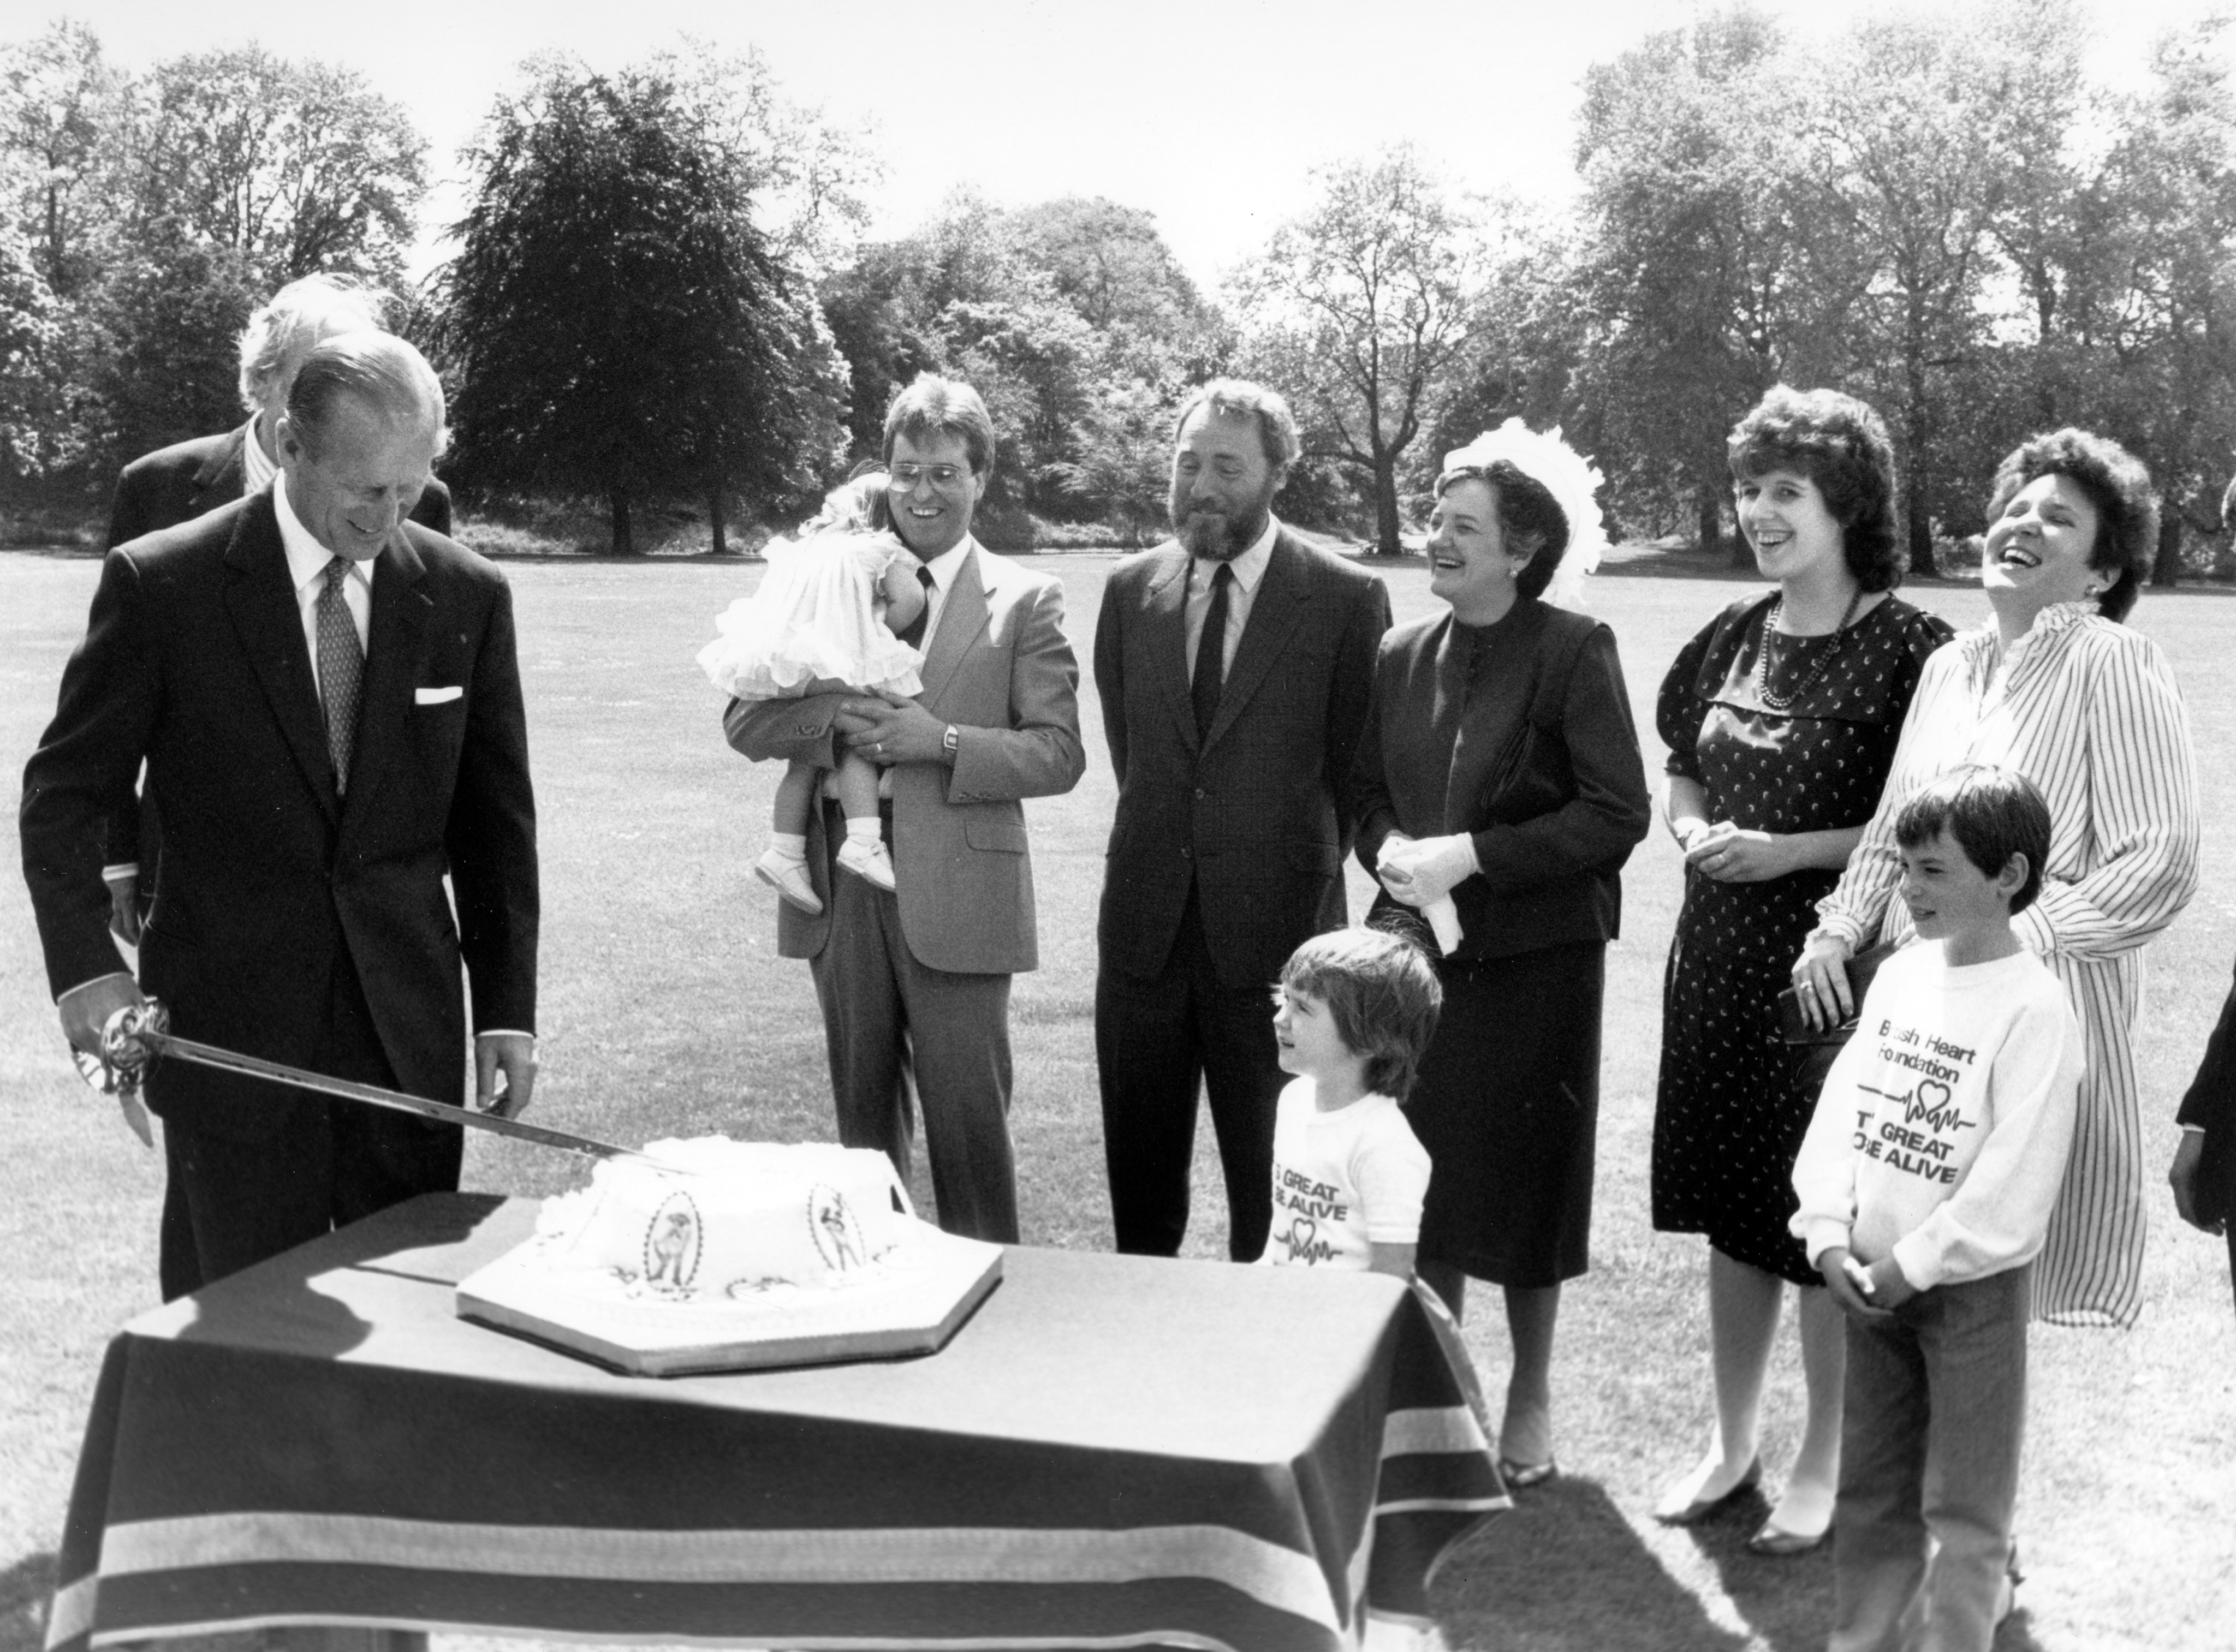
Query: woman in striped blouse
x=2058, y=689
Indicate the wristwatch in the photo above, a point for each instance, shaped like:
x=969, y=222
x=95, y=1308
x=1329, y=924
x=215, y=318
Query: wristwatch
x=951, y=740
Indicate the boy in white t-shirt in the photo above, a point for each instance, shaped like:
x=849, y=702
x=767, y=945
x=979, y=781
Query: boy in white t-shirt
x=1353, y=1015
x=1926, y=1183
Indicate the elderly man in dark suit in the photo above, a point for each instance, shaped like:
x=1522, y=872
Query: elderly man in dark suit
x=1235, y=664
x=327, y=701
x=2203, y=1173
x=184, y=481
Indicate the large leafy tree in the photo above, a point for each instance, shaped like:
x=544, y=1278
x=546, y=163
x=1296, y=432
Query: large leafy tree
x=292, y=167
x=1366, y=310
x=155, y=211
x=1690, y=258
x=1927, y=132
x=61, y=111
x=623, y=329
x=1071, y=317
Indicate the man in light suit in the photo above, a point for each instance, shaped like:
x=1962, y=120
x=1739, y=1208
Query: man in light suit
x=179, y=482
x=920, y=975
x=1233, y=759
x=327, y=701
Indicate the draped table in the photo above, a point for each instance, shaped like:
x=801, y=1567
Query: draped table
x=1112, y=1450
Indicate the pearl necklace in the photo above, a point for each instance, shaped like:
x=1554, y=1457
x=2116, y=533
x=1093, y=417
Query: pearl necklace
x=1814, y=674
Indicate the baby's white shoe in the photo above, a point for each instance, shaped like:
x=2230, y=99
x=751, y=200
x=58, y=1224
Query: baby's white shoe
x=868, y=861
x=788, y=877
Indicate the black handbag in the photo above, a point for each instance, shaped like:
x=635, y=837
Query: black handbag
x=1811, y=1050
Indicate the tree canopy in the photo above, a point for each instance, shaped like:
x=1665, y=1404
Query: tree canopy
x=621, y=325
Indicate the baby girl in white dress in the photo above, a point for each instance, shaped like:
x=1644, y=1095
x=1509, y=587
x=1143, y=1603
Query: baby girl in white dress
x=824, y=622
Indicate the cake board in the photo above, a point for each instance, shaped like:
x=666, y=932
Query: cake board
x=925, y=1289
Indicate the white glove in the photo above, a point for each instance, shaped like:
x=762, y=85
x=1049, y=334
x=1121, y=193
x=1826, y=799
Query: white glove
x=1429, y=869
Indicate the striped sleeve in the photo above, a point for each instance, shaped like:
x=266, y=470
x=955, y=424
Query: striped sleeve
x=2132, y=748
x=1853, y=911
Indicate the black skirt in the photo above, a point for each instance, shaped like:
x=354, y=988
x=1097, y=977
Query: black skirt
x=1507, y=1106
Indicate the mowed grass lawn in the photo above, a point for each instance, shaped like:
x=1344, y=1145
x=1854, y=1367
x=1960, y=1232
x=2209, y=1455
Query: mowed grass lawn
x=666, y=1013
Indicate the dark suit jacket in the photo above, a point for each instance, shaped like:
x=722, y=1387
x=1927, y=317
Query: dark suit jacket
x=194, y=659
x=1256, y=814
x=1554, y=812
x=2211, y=1105
x=189, y=479
x=173, y=485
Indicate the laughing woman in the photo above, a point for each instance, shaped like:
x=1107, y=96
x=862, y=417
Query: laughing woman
x=1501, y=791
x=1781, y=718
x=2057, y=688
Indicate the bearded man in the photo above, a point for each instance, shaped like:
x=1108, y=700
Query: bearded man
x=1233, y=662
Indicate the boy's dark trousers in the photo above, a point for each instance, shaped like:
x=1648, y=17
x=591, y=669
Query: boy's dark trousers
x=1935, y=1412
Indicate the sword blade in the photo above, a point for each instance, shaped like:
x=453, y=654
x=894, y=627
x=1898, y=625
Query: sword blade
x=208, y=1055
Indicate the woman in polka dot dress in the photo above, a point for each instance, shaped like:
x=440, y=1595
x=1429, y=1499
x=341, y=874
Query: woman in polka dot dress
x=1781, y=718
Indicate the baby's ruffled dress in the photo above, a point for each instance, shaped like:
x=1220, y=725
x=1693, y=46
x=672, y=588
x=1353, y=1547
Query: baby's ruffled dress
x=813, y=624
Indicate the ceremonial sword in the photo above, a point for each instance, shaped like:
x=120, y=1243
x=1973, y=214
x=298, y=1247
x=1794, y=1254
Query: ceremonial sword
x=135, y=1036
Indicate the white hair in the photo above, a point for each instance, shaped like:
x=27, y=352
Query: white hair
x=282, y=331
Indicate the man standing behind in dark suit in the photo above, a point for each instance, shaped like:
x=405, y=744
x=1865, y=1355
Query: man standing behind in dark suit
x=179, y=482
x=327, y=699
x=1233, y=663
x=2203, y=1173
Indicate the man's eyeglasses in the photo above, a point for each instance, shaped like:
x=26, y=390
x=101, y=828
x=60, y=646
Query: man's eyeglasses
x=943, y=476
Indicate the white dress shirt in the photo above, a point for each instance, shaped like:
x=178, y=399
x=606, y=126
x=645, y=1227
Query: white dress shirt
x=1249, y=568
x=306, y=568
x=256, y=470
x=946, y=568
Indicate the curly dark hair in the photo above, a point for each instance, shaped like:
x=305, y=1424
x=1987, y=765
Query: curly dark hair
x=1526, y=511
x=1841, y=445
x=2117, y=483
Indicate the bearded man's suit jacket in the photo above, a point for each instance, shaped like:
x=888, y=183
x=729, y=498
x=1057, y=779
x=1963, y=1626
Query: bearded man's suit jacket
x=194, y=659
x=1246, y=828
x=161, y=490
x=1254, y=814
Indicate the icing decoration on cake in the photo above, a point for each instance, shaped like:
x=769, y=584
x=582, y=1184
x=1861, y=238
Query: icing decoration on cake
x=735, y=1220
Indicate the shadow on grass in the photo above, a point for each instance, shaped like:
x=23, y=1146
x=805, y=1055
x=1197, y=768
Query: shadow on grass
x=1788, y=1602
x=1565, y=1573
x=24, y=1588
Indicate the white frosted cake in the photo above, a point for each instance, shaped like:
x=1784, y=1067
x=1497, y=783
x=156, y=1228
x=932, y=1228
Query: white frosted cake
x=745, y=1255
x=737, y=1219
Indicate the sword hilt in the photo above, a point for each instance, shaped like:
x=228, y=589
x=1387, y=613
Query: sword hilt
x=130, y=1046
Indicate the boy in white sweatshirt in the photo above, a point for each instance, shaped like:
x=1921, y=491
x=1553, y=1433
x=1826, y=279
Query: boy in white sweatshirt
x=1926, y=1183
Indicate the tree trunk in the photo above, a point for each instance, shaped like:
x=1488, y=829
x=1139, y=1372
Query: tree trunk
x=1385, y=506
x=617, y=506
x=2165, y=568
x=1708, y=519
x=1920, y=536
x=715, y=519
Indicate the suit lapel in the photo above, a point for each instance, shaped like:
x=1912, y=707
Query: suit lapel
x=261, y=602
x=1275, y=612
x=395, y=641
x=1164, y=632
x=962, y=617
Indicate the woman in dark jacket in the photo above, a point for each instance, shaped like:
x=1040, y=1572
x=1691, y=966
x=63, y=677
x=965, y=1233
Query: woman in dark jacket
x=1501, y=792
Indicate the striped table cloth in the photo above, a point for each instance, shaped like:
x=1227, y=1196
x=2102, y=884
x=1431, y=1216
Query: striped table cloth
x=1113, y=1450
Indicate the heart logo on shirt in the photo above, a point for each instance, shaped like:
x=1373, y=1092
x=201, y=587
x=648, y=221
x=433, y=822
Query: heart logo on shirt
x=1930, y=1105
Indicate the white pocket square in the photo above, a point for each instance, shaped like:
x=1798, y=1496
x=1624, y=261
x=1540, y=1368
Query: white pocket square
x=437, y=696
